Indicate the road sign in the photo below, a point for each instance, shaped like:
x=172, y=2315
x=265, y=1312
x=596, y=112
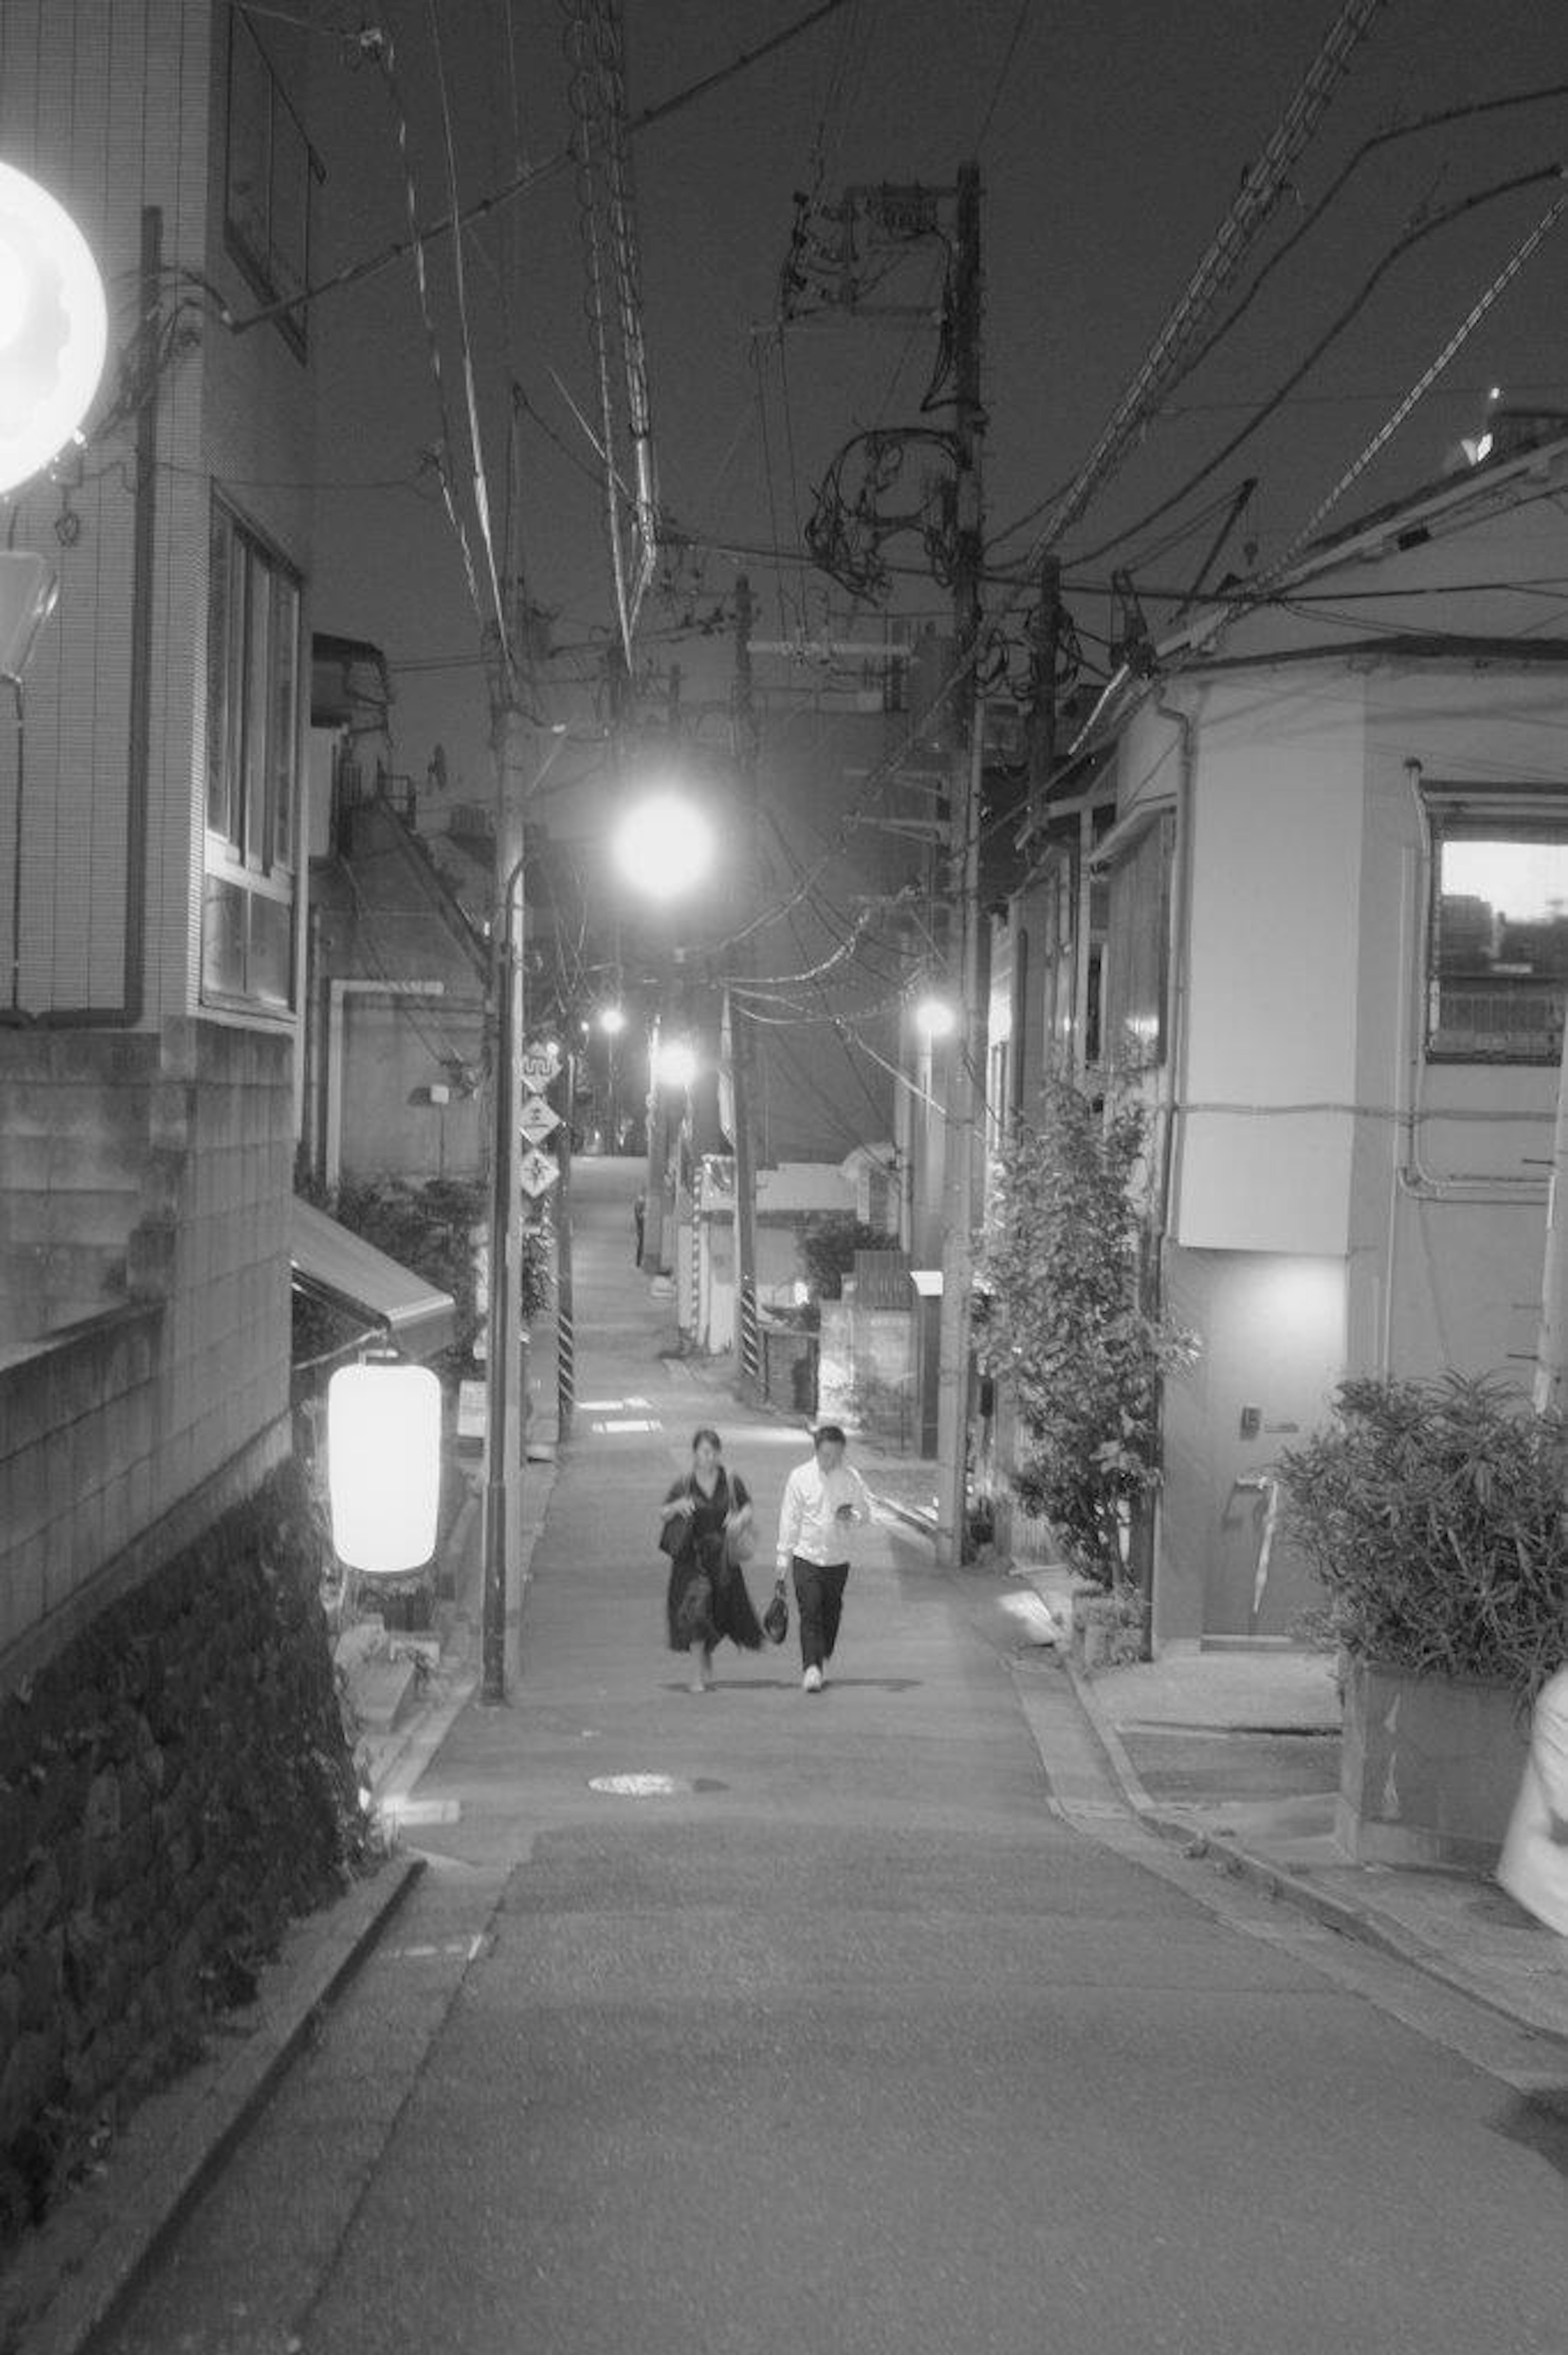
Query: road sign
x=537, y=1065
x=536, y=1173
x=536, y=1119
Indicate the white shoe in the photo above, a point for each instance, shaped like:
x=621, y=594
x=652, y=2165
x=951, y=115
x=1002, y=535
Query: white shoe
x=812, y=1680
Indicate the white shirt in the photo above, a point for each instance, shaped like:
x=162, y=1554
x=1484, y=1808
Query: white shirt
x=808, y=1518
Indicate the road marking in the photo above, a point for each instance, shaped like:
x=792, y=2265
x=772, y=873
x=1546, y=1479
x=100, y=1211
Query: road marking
x=623, y=1423
x=637, y=1786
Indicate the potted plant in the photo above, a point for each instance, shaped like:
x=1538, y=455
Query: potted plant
x=1432, y=1511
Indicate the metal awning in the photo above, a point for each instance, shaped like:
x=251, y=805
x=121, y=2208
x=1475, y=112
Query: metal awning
x=353, y=1274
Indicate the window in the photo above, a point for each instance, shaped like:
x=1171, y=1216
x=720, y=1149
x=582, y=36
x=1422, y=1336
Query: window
x=1057, y=932
x=272, y=170
x=252, y=768
x=1497, y=970
x=1137, y=949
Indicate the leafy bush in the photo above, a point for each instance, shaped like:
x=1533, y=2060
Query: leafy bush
x=1063, y=1320
x=828, y=1245
x=1433, y=1513
x=430, y=1227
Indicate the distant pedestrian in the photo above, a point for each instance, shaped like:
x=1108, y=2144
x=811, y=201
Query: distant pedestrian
x=824, y=1498
x=1533, y=1866
x=639, y=1220
x=707, y=1531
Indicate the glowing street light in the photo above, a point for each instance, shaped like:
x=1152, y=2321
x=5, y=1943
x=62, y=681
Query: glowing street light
x=675, y=1063
x=611, y=1021
x=936, y=1017
x=665, y=845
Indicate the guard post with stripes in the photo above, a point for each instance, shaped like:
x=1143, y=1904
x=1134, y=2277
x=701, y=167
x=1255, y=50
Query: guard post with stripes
x=566, y=1337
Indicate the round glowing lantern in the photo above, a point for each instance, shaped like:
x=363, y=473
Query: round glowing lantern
x=384, y=1465
x=54, y=326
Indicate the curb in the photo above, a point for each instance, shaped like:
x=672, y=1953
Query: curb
x=1365, y=1923
x=74, y=2271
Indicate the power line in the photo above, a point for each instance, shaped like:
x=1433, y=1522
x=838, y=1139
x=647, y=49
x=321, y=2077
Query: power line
x=525, y=182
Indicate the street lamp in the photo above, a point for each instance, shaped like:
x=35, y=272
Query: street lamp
x=663, y=846
x=936, y=1017
x=675, y=1063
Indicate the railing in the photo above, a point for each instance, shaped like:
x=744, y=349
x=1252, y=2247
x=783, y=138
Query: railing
x=1506, y=1019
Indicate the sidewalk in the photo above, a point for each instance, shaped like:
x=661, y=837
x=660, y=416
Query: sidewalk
x=1234, y=1756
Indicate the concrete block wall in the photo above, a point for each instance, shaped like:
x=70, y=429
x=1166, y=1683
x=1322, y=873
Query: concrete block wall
x=112, y=1424
x=73, y=1127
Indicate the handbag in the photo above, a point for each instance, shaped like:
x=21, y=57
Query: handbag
x=673, y=1529
x=739, y=1543
x=776, y=1618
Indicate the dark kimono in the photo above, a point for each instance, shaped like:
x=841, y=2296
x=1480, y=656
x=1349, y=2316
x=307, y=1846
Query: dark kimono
x=702, y=1552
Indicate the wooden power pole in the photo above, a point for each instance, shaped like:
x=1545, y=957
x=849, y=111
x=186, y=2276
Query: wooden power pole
x=741, y=1039
x=964, y=1095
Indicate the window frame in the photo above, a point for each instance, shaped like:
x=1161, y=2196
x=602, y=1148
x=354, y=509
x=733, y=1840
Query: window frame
x=1454, y=814
x=265, y=117
x=1135, y=971
x=254, y=766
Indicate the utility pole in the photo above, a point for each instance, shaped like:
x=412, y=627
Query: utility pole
x=504, y=1418
x=741, y=1041
x=966, y=1048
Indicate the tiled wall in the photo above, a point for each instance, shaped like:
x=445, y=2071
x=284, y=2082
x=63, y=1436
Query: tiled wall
x=181, y=1380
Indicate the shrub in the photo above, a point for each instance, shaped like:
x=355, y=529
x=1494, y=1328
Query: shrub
x=1433, y=1513
x=430, y=1227
x=1063, y=1320
x=829, y=1242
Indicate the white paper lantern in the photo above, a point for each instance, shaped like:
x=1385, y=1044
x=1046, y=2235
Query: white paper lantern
x=384, y=1465
x=54, y=326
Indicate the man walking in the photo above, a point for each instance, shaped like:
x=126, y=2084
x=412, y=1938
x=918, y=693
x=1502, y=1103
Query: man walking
x=823, y=1501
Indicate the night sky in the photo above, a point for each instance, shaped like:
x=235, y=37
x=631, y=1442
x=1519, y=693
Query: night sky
x=1110, y=138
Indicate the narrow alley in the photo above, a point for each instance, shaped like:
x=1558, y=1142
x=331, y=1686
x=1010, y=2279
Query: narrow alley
x=756, y=2020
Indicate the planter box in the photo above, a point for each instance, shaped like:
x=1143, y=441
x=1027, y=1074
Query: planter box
x=1430, y=1768
x=1107, y=1630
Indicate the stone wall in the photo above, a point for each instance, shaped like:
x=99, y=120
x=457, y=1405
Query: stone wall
x=174, y=1787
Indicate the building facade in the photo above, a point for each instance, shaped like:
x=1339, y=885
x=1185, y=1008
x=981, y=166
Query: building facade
x=150, y=797
x=1308, y=887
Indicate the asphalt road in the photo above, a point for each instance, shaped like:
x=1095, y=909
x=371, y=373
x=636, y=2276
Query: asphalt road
x=852, y=2032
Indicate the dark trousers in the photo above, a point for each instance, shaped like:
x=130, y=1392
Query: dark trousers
x=819, y=1603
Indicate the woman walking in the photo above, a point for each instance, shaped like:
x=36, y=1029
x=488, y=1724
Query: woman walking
x=707, y=1532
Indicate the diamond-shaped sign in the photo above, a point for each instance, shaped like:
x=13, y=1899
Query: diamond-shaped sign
x=536, y=1173
x=536, y=1119
x=539, y=1065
